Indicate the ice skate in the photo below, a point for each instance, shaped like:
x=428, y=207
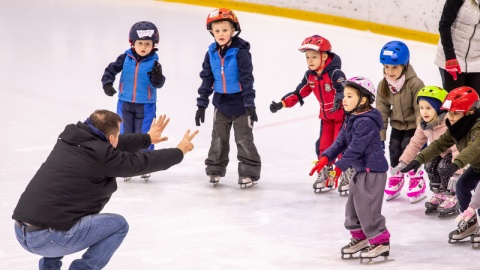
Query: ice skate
x=345, y=177
x=465, y=229
x=449, y=207
x=127, y=179
x=416, y=187
x=433, y=204
x=322, y=177
x=353, y=247
x=146, y=176
x=475, y=240
x=394, y=186
x=374, y=251
x=245, y=182
x=214, y=179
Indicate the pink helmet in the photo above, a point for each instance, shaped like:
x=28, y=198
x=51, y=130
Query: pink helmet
x=364, y=85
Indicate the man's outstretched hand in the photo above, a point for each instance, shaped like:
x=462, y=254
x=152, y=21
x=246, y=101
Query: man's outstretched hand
x=186, y=144
x=156, y=129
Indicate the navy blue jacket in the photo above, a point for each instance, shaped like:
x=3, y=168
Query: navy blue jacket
x=359, y=140
x=229, y=104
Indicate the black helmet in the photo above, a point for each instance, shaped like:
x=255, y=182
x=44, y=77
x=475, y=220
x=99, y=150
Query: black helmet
x=144, y=31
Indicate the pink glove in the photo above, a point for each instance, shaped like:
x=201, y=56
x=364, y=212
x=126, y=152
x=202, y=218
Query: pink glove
x=452, y=67
x=319, y=166
x=466, y=215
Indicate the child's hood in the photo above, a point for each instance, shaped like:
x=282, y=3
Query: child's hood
x=239, y=43
x=374, y=115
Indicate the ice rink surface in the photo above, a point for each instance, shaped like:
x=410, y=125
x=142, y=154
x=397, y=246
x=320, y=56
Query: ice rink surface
x=53, y=55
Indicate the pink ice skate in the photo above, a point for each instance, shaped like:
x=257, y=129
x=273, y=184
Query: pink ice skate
x=394, y=186
x=416, y=187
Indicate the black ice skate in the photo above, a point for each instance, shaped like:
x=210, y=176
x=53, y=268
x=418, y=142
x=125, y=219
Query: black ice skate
x=146, y=177
x=245, y=182
x=449, y=208
x=373, y=251
x=214, y=179
x=355, y=245
x=433, y=204
x=465, y=229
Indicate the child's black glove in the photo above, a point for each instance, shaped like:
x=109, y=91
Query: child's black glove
x=156, y=73
x=276, y=106
x=413, y=165
x=252, y=114
x=336, y=105
x=109, y=90
x=200, y=115
x=449, y=171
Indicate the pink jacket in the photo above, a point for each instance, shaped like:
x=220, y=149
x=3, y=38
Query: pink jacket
x=423, y=134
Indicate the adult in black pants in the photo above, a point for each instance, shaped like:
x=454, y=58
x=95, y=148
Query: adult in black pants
x=458, y=52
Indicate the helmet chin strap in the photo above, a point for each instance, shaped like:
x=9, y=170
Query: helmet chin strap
x=358, y=106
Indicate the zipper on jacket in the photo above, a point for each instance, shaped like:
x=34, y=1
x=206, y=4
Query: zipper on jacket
x=149, y=92
x=468, y=48
x=223, y=73
x=134, y=96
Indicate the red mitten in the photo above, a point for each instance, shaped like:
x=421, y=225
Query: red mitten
x=452, y=67
x=319, y=166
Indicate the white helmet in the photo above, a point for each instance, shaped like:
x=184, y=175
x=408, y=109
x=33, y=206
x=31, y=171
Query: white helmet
x=364, y=85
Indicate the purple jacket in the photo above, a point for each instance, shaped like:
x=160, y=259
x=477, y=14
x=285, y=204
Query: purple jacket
x=359, y=141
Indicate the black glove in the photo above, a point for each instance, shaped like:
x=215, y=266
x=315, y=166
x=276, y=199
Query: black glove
x=276, y=106
x=155, y=74
x=200, y=115
x=252, y=114
x=449, y=171
x=413, y=165
x=336, y=106
x=109, y=90
x=383, y=145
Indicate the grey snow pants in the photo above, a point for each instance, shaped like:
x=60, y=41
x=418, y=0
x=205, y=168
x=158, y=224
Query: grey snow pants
x=249, y=161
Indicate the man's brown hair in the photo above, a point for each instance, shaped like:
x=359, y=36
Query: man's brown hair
x=106, y=121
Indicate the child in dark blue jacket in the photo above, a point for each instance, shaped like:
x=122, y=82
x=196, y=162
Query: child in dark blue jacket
x=141, y=76
x=227, y=72
x=359, y=141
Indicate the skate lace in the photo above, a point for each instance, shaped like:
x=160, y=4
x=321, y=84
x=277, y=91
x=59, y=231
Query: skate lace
x=464, y=225
x=354, y=241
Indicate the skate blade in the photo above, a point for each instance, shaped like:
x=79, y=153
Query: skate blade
x=431, y=212
x=391, y=197
x=248, y=185
x=214, y=184
x=344, y=193
x=376, y=260
x=414, y=200
x=126, y=179
x=475, y=245
x=349, y=256
x=459, y=241
x=449, y=215
x=322, y=190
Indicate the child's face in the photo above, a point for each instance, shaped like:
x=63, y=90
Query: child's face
x=222, y=32
x=315, y=59
x=393, y=72
x=350, y=98
x=143, y=47
x=427, y=112
x=453, y=117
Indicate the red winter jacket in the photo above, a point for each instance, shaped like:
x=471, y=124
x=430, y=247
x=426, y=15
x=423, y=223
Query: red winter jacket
x=326, y=87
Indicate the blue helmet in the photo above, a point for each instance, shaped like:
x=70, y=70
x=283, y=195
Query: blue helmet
x=395, y=53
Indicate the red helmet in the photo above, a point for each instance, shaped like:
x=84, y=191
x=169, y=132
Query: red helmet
x=316, y=43
x=222, y=14
x=460, y=99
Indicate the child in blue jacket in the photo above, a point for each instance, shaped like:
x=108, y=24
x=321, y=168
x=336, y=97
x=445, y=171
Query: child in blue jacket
x=227, y=72
x=141, y=76
x=359, y=141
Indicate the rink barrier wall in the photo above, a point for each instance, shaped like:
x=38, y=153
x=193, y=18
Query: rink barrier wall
x=317, y=17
